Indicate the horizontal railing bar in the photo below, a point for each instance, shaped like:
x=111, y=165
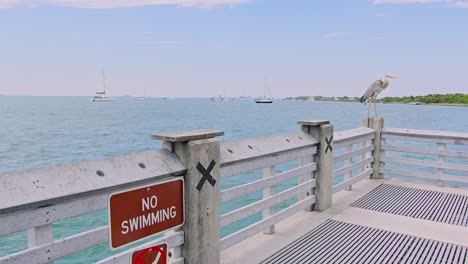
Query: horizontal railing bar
x=352, y=154
x=14, y=222
x=459, y=138
x=174, y=261
x=424, y=175
x=243, y=212
x=59, y=248
x=239, y=191
x=352, y=167
x=258, y=227
x=346, y=143
x=172, y=240
x=233, y=152
x=47, y=186
x=266, y=161
x=426, y=163
x=452, y=153
x=351, y=134
x=424, y=139
x=353, y=180
x=50, y=214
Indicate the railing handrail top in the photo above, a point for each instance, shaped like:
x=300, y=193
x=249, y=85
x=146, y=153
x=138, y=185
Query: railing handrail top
x=425, y=133
x=51, y=185
x=342, y=135
x=185, y=136
x=252, y=148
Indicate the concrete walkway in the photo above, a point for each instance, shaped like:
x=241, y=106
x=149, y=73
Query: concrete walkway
x=260, y=247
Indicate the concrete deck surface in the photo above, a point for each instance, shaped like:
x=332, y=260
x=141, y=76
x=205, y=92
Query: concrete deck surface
x=261, y=246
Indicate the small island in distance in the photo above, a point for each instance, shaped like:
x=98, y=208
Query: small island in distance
x=457, y=99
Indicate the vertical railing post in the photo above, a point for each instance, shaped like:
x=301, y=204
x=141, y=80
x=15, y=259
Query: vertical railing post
x=199, y=151
x=305, y=178
x=348, y=162
x=268, y=172
x=376, y=123
x=323, y=132
x=441, y=159
x=176, y=252
x=40, y=235
x=364, y=156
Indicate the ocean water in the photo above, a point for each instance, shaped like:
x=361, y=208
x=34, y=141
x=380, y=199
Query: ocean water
x=46, y=131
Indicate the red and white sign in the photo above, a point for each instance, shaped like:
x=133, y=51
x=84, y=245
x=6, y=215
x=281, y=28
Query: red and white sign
x=139, y=213
x=151, y=255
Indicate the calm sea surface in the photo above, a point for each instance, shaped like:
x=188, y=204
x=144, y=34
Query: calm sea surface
x=45, y=131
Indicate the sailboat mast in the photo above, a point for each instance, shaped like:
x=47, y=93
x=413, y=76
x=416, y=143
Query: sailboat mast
x=103, y=81
x=265, y=88
x=269, y=93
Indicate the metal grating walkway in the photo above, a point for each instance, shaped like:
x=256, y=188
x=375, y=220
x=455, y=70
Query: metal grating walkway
x=339, y=242
x=417, y=203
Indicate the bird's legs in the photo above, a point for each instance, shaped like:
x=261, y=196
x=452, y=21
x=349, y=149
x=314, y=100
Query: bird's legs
x=375, y=107
x=368, y=110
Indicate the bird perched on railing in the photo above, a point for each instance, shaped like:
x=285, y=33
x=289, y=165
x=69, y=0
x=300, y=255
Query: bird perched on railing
x=370, y=96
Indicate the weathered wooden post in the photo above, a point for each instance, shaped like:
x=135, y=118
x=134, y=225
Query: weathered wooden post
x=376, y=123
x=199, y=151
x=323, y=132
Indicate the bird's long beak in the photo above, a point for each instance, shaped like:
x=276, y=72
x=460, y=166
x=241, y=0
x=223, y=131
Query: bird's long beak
x=391, y=76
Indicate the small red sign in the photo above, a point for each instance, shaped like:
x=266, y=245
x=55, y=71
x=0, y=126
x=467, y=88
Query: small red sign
x=151, y=255
x=146, y=211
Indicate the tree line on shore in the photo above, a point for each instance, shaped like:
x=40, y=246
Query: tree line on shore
x=457, y=98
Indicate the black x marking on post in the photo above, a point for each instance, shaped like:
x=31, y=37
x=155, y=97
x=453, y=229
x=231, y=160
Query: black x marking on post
x=206, y=175
x=329, y=144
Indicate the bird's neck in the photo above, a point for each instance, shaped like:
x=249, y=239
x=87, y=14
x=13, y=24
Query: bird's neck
x=385, y=81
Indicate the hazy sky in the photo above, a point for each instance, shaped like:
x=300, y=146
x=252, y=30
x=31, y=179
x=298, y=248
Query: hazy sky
x=205, y=47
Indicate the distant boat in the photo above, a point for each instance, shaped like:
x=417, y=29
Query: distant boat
x=144, y=95
x=217, y=99
x=267, y=97
x=102, y=96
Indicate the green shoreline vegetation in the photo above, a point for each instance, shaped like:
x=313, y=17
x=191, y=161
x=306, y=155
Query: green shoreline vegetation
x=448, y=99
x=457, y=99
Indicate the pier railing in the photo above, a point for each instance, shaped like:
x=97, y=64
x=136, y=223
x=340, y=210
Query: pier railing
x=353, y=157
x=439, y=156
x=36, y=199
x=265, y=153
x=299, y=171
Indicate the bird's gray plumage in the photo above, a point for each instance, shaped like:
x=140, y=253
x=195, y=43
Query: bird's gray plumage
x=374, y=90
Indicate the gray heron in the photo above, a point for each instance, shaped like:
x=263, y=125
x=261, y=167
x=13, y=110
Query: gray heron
x=370, y=96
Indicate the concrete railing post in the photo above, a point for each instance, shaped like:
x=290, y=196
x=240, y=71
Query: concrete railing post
x=304, y=178
x=268, y=192
x=323, y=132
x=376, y=123
x=199, y=151
x=348, y=162
x=441, y=159
x=40, y=235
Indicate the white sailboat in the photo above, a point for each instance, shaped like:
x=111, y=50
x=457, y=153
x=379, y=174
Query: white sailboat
x=144, y=95
x=102, y=96
x=267, y=97
x=220, y=98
